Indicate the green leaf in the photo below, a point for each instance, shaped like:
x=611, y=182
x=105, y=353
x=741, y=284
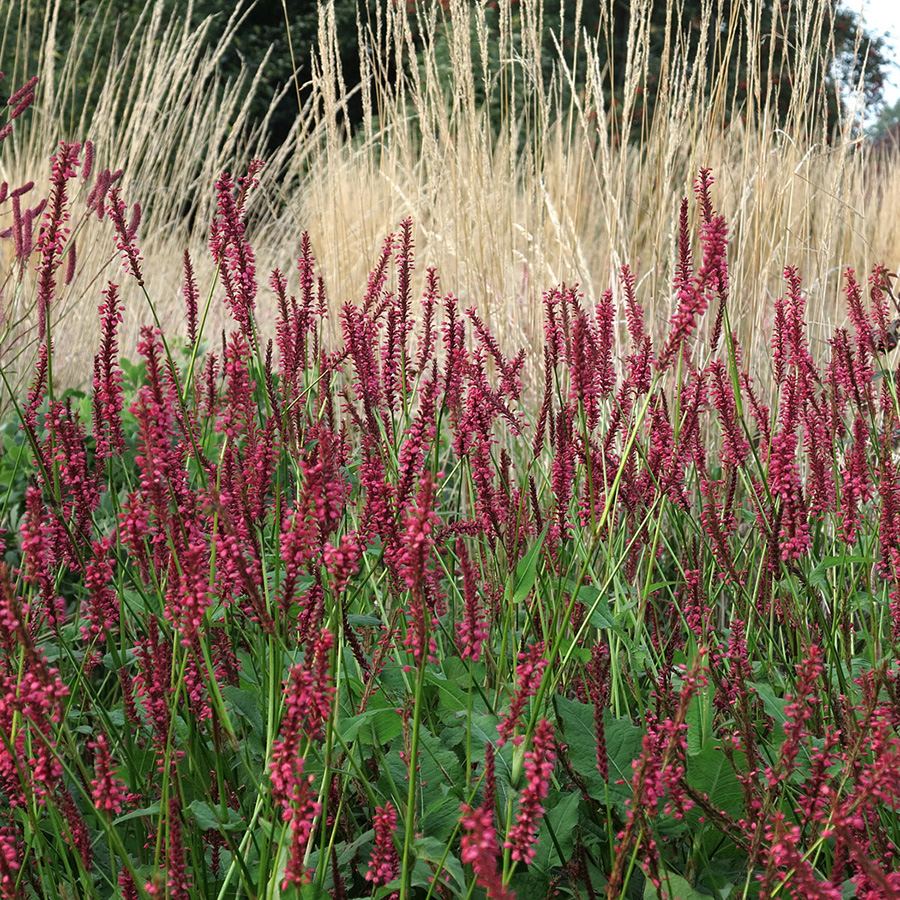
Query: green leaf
x=600, y=617
x=431, y=850
x=247, y=704
x=311, y=891
x=623, y=745
x=774, y=705
x=598, y=610
x=676, y=887
x=819, y=577
x=360, y=621
x=710, y=773
x=440, y=818
x=482, y=728
x=694, y=721
x=577, y=723
x=463, y=672
x=438, y=766
x=207, y=817
x=452, y=697
x=526, y=570
x=561, y=820
x=374, y=726
x=528, y=885
x=152, y=810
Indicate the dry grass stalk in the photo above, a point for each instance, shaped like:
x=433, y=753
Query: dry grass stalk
x=505, y=213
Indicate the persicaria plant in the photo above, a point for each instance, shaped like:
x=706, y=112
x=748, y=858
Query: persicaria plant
x=375, y=619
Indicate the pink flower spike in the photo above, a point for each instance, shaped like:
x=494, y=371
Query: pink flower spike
x=384, y=865
x=232, y=251
x=22, y=92
x=472, y=631
x=54, y=231
x=125, y=233
x=529, y=672
x=108, y=790
x=538, y=769
x=479, y=847
x=88, y=165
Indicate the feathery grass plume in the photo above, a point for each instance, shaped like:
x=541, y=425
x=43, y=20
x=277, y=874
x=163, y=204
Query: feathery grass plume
x=585, y=202
x=155, y=103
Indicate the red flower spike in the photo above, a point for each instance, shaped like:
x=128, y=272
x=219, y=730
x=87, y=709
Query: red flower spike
x=384, y=866
x=538, y=769
x=528, y=675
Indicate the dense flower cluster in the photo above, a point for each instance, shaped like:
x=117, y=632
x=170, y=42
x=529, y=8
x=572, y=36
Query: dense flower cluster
x=267, y=612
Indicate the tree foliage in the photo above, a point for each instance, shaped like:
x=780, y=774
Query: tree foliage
x=748, y=62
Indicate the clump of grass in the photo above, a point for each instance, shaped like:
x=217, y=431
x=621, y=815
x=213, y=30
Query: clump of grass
x=304, y=616
x=163, y=123
x=547, y=190
x=542, y=190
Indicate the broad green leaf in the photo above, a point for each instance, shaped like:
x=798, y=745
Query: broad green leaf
x=528, y=885
x=311, y=891
x=577, y=723
x=374, y=726
x=570, y=649
x=482, y=728
x=710, y=773
x=247, y=704
x=694, y=721
x=441, y=817
x=597, y=606
x=431, y=850
x=623, y=745
x=463, y=672
x=358, y=620
x=348, y=852
x=601, y=617
x=438, y=766
x=454, y=736
x=561, y=819
x=208, y=818
x=452, y=697
x=774, y=705
x=676, y=887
